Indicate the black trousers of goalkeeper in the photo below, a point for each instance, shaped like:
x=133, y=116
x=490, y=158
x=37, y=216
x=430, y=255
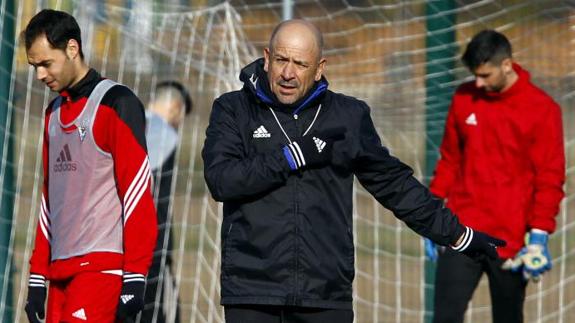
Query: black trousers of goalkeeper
x=456, y=279
x=284, y=314
x=161, y=297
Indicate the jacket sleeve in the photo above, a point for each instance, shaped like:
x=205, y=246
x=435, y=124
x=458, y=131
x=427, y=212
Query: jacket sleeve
x=548, y=157
x=448, y=165
x=40, y=259
x=230, y=174
x=392, y=183
x=124, y=137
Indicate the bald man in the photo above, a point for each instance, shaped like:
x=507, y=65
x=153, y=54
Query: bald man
x=281, y=155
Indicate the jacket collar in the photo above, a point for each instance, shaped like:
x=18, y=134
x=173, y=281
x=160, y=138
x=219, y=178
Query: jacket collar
x=256, y=82
x=84, y=87
x=523, y=79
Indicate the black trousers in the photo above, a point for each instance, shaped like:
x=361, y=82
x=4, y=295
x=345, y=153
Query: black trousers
x=284, y=314
x=161, y=293
x=457, y=277
x=156, y=308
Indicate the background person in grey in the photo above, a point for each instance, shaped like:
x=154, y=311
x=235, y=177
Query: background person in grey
x=170, y=103
x=281, y=154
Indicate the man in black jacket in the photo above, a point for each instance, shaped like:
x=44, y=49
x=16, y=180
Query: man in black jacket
x=281, y=154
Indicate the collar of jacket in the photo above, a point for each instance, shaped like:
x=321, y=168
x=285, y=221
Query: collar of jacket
x=523, y=78
x=84, y=87
x=256, y=82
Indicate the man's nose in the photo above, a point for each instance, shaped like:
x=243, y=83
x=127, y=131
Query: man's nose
x=41, y=73
x=480, y=82
x=288, y=71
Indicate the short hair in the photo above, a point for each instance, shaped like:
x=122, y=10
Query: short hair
x=58, y=26
x=316, y=32
x=486, y=46
x=167, y=89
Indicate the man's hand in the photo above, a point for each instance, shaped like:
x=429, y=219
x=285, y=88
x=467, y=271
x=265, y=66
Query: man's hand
x=36, y=298
x=314, y=149
x=473, y=243
x=534, y=259
x=131, y=297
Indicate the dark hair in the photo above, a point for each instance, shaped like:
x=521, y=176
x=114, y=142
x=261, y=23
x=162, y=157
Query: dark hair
x=186, y=98
x=487, y=46
x=58, y=26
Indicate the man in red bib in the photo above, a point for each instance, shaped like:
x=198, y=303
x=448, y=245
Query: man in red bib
x=97, y=225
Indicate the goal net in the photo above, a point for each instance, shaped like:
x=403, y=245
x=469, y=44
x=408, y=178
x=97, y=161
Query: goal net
x=376, y=51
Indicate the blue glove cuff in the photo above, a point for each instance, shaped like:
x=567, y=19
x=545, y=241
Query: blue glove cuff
x=538, y=237
x=430, y=249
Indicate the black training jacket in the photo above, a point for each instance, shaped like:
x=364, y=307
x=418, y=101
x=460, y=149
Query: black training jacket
x=287, y=237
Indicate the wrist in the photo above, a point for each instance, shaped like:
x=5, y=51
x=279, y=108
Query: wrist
x=36, y=280
x=130, y=277
x=458, y=236
x=464, y=240
x=458, y=242
x=296, y=155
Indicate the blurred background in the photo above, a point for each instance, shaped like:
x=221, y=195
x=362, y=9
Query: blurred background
x=401, y=56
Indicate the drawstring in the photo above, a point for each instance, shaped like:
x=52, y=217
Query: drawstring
x=313, y=121
x=282, y=128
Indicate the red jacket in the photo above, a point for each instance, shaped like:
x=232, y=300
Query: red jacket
x=502, y=163
x=119, y=130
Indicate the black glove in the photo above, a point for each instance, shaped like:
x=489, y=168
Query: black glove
x=131, y=297
x=475, y=243
x=314, y=149
x=36, y=298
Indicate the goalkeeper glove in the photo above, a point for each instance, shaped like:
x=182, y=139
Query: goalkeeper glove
x=36, y=298
x=474, y=243
x=430, y=249
x=534, y=259
x=131, y=297
x=313, y=150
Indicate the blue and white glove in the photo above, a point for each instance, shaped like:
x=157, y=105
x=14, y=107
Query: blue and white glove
x=314, y=149
x=132, y=297
x=533, y=259
x=475, y=243
x=36, y=298
x=430, y=250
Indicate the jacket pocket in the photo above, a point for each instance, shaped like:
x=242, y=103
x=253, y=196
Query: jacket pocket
x=350, y=259
x=227, y=250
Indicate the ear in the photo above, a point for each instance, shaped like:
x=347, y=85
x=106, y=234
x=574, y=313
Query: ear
x=72, y=49
x=266, y=59
x=507, y=65
x=320, y=68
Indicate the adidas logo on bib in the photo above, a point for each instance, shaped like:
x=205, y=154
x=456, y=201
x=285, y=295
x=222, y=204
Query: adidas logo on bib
x=64, y=162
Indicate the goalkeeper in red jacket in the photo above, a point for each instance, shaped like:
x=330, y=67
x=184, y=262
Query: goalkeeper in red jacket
x=501, y=171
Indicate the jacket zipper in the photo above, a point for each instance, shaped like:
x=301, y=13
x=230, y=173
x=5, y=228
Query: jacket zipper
x=296, y=246
x=295, y=297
